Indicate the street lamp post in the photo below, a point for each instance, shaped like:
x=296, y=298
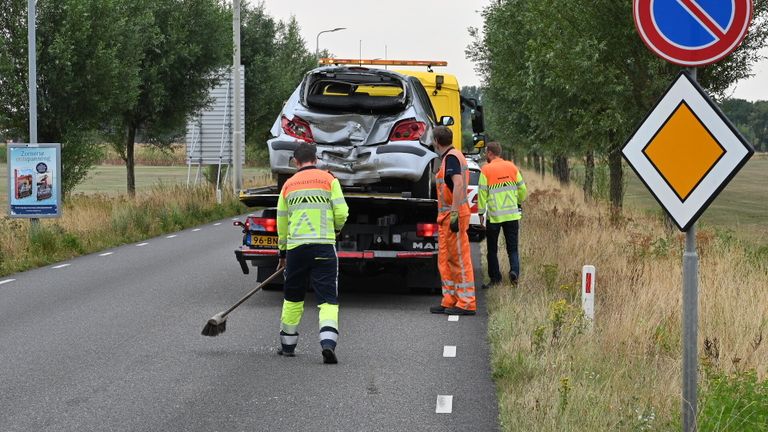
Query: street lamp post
x=237, y=163
x=317, y=45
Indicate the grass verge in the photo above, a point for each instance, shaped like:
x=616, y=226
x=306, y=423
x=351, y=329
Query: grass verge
x=91, y=223
x=556, y=373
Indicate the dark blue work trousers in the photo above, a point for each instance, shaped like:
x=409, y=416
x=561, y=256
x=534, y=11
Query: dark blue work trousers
x=510, y=229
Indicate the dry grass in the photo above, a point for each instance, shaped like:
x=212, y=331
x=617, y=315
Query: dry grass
x=94, y=222
x=553, y=373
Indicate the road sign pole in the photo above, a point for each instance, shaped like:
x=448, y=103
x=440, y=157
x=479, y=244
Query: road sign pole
x=690, y=324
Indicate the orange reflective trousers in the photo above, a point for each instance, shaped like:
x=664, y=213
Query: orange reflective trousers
x=455, y=263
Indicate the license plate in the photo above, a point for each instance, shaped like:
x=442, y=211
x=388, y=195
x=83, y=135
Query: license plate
x=262, y=241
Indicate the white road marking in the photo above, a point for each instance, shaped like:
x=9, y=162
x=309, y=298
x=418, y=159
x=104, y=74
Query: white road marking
x=106, y=254
x=453, y=317
x=142, y=244
x=444, y=404
x=234, y=219
x=171, y=236
x=6, y=281
x=196, y=230
x=217, y=224
x=449, y=351
x=61, y=266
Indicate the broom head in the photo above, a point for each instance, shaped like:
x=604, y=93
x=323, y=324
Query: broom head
x=216, y=325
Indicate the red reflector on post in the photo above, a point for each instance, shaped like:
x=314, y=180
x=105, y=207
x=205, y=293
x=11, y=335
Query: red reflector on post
x=588, y=285
x=426, y=230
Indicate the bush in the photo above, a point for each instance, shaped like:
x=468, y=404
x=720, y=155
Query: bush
x=734, y=403
x=3, y=154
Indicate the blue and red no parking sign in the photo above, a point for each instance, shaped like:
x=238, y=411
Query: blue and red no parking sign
x=692, y=32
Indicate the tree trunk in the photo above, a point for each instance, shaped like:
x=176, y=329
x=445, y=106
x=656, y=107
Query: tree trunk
x=560, y=169
x=616, y=175
x=129, y=160
x=542, y=166
x=589, y=175
x=536, y=162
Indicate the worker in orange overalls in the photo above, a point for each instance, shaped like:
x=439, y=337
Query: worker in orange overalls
x=454, y=258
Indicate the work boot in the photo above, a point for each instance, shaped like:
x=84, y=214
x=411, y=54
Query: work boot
x=329, y=355
x=439, y=309
x=286, y=353
x=513, y=278
x=459, y=311
x=490, y=284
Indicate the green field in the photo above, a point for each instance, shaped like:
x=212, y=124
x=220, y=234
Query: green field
x=742, y=206
x=111, y=179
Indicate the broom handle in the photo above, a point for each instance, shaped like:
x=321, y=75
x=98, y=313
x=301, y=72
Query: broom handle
x=254, y=291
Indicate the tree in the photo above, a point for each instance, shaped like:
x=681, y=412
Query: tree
x=758, y=122
x=275, y=58
x=180, y=46
x=572, y=77
x=82, y=76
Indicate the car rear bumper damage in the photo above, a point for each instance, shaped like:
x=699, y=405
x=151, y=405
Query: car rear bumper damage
x=356, y=165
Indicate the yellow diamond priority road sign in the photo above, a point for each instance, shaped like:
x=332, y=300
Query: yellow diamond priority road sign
x=686, y=151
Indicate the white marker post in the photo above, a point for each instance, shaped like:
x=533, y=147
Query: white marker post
x=588, y=292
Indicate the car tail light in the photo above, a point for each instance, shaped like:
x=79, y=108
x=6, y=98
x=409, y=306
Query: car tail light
x=261, y=224
x=297, y=128
x=408, y=130
x=426, y=230
x=473, y=209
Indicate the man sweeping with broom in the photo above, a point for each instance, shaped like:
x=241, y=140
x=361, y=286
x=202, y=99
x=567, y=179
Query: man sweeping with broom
x=310, y=212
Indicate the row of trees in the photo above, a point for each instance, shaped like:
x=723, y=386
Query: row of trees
x=751, y=118
x=111, y=70
x=571, y=78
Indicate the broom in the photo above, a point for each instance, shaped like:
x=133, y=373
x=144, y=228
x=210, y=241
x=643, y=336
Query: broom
x=218, y=323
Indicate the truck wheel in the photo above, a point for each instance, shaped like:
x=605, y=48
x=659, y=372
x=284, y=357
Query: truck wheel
x=425, y=186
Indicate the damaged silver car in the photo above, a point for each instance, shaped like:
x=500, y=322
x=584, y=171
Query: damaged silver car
x=372, y=129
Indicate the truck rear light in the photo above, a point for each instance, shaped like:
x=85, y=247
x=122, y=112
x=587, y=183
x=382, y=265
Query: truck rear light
x=426, y=230
x=297, y=128
x=408, y=130
x=261, y=224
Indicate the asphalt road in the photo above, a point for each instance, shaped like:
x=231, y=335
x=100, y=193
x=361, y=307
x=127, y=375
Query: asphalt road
x=111, y=342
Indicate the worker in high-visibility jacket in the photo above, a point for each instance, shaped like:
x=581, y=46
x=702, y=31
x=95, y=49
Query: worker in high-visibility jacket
x=310, y=212
x=453, y=259
x=501, y=192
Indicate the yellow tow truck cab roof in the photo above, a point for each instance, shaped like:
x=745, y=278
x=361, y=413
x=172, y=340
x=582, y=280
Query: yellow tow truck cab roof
x=444, y=93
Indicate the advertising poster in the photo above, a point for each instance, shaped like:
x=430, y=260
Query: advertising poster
x=34, y=180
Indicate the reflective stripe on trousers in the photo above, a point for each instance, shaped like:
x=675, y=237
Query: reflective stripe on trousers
x=455, y=263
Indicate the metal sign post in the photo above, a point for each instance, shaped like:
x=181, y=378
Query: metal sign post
x=690, y=324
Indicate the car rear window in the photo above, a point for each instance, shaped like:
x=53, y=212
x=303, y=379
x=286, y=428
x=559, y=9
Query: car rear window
x=363, y=93
x=474, y=177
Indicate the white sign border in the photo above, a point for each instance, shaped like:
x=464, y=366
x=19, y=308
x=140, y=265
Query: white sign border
x=685, y=213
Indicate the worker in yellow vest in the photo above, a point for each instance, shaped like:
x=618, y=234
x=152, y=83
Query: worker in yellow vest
x=501, y=192
x=453, y=258
x=311, y=210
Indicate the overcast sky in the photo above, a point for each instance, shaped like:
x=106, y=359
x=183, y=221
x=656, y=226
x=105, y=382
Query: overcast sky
x=418, y=30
